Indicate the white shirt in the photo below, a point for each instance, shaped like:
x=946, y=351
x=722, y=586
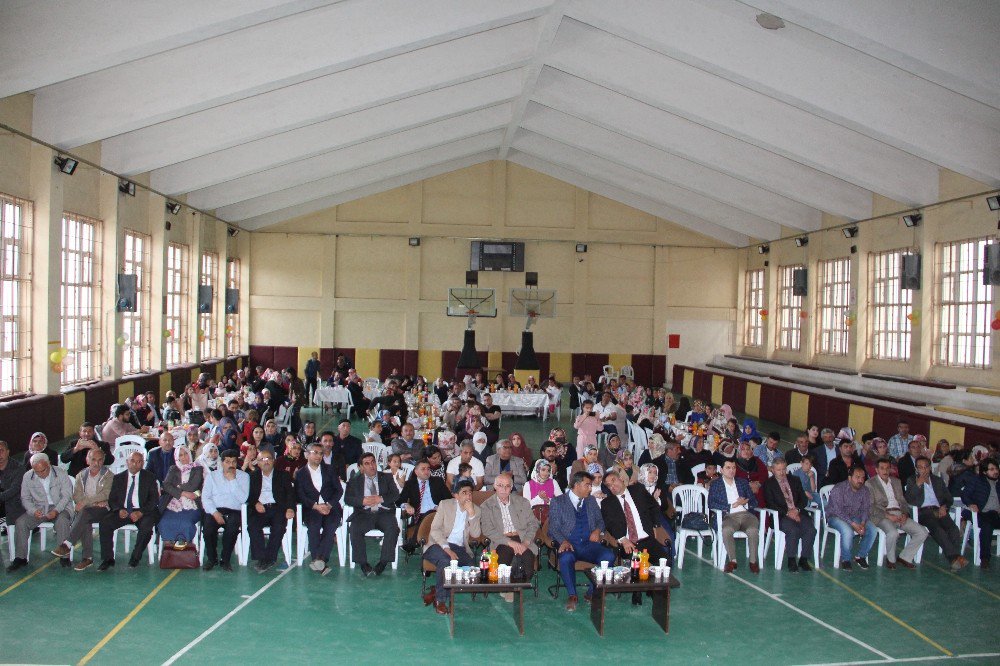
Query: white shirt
x=626, y=498
x=477, y=467
x=508, y=523
x=606, y=410
x=133, y=479
x=887, y=487
x=457, y=535
x=266, y=485
x=831, y=453
x=317, y=478
x=930, y=499
x=733, y=494
x=46, y=485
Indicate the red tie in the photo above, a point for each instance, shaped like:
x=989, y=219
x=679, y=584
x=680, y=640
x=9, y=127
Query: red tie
x=422, y=487
x=633, y=534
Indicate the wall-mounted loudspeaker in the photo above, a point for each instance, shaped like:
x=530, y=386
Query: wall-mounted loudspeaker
x=127, y=287
x=909, y=274
x=232, y=301
x=204, y=299
x=799, y=278
x=991, y=264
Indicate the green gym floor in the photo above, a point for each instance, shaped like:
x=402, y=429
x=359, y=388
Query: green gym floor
x=51, y=615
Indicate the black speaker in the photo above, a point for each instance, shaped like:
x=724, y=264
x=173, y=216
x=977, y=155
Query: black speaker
x=531, y=279
x=472, y=278
x=909, y=274
x=204, y=298
x=127, y=287
x=991, y=264
x=232, y=301
x=799, y=278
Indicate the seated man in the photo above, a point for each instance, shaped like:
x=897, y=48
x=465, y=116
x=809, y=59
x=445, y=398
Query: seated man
x=510, y=525
x=576, y=524
x=271, y=503
x=120, y=425
x=76, y=453
x=421, y=495
x=504, y=461
x=928, y=493
x=848, y=512
x=11, y=475
x=134, y=500
x=161, y=458
x=345, y=445
x=981, y=496
x=454, y=522
x=372, y=495
x=737, y=502
x=406, y=445
x=890, y=513
x=783, y=493
x=319, y=491
x=840, y=466
x=799, y=451
x=47, y=496
x=465, y=455
x=768, y=451
x=223, y=496
x=631, y=515
x=90, y=495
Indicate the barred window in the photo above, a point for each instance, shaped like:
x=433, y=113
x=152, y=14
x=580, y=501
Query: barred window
x=753, y=322
x=789, y=311
x=15, y=296
x=964, y=306
x=834, y=304
x=80, y=299
x=888, y=306
x=208, y=348
x=178, y=293
x=232, y=319
x=135, y=325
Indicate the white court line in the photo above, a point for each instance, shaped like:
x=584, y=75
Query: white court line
x=909, y=659
x=224, y=618
x=801, y=612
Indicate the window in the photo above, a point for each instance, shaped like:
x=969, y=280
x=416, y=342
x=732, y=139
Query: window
x=890, y=332
x=233, y=320
x=834, y=303
x=964, y=306
x=208, y=348
x=177, y=303
x=789, y=311
x=754, y=323
x=80, y=299
x=15, y=296
x=135, y=325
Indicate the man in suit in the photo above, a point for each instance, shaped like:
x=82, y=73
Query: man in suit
x=928, y=493
x=76, y=453
x=784, y=493
x=319, y=492
x=225, y=492
x=825, y=453
x=271, y=503
x=907, y=464
x=161, y=458
x=503, y=461
x=345, y=445
x=46, y=495
x=631, y=515
x=890, y=513
x=133, y=500
x=454, y=522
x=737, y=502
x=510, y=525
x=420, y=496
x=847, y=460
x=372, y=495
x=982, y=496
x=90, y=496
x=576, y=524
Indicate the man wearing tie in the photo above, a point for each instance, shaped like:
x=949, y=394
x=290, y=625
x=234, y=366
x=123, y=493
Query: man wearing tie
x=133, y=501
x=420, y=496
x=319, y=491
x=226, y=491
x=372, y=495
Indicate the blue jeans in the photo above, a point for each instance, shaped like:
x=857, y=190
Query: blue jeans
x=847, y=535
x=588, y=551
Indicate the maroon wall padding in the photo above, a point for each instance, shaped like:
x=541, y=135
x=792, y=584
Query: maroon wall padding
x=98, y=400
x=734, y=393
x=976, y=435
x=678, y=383
x=659, y=370
x=508, y=360
x=37, y=413
x=262, y=355
x=144, y=383
x=179, y=378
x=578, y=364
x=327, y=359
x=229, y=366
x=775, y=403
x=410, y=361
x=543, y=366
x=703, y=385
x=286, y=357
x=642, y=365
x=346, y=351
x=449, y=361
x=596, y=363
x=388, y=359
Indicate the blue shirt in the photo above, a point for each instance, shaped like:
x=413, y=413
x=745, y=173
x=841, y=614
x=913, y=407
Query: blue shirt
x=898, y=445
x=427, y=503
x=766, y=455
x=457, y=535
x=222, y=493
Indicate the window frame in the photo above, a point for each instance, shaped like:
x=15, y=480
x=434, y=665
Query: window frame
x=888, y=307
x=15, y=295
x=177, y=295
x=753, y=327
x=232, y=320
x=833, y=335
x=86, y=287
x=136, y=349
x=789, y=330
x=978, y=312
x=208, y=275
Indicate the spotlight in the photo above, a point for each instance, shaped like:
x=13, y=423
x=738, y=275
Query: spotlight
x=850, y=232
x=763, y=249
x=126, y=187
x=232, y=231
x=581, y=247
x=66, y=164
x=802, y=241
x=993, y=202
x=912, y=220
x=173, y=207
x=414, y=241
x=167, y=225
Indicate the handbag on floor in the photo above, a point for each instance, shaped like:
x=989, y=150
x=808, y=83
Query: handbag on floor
x=179, y=554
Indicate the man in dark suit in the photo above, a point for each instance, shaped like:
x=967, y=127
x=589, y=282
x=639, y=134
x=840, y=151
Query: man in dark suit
x=76, y=453
x=271, y=503
x=928, y=493
x=372, y=495
x=345, y=445
x=133, y=501
x=907, y=465
x=319, y=493
x=839, y=468
x=161, y=458
x=784, y=494
x=419, y=497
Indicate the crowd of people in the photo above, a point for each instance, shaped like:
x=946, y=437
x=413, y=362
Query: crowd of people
x=217, y=450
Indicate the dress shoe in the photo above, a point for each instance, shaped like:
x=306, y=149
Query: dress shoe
x=958, y=563
x=906, y=565
x=636, y=599
x=226, y=566
x=754, y=567
x=380, y=567
x=730, y=566
x=106, y=564
x=441, y=608
x=804, y=564
x=133, y=563
x=891, y=566
x=572, y=602
x=367, y=570
x=326, y=571
x=263, y=566
x=317, y=565
x=862, y=562
x=84, y=564
x=845, y=565
x=209, y=565
x=793, y=565
x=17, y=563
x=62, y=550
x=429, y=596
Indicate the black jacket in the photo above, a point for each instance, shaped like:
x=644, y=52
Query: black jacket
x=355, y=494
x=775, y=499
x=149, y=494
x=411, y=492
x=614, y=515
x=281, y=488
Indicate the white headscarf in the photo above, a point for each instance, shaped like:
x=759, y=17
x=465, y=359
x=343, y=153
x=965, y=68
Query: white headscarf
x=205, y=461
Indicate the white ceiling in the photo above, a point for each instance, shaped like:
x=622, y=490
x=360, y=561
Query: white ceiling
x=263, y=110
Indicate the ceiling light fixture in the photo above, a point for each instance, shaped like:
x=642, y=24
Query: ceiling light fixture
x=850, y=232
x=232, y=231
x=126, y=187
x=66, y=164
x=173, y=207
x=763, y=249
x=802, y=241
x=912, y=220
x=993, y=202
x=769, y=21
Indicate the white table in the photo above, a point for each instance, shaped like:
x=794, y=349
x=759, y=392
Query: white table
x=337, y=395
x=528, y=404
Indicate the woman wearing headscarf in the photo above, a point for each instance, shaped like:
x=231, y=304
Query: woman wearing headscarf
x=39, y=443
x=181, y=499
x=625, y=468
x=649, y=477
x=749, y=430
x=228, y=435
x=657, y=446
x=291, y=460
x=541, y=488
x=721, y=417
x=519, y=448
x=683, y=407
x=209, y=458
x=589, y=458
x=192, y=440
x=753, y=469
x=611, y=453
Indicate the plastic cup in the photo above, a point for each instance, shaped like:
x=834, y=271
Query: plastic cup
x=454, y=564
x=604, y=564
x=663, y=563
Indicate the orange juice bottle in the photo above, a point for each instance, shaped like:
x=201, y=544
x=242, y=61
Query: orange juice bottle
x=494, y=566
x=644, y=565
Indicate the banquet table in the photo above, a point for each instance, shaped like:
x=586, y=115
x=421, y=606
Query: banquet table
x=337, y=395
x=527, y=404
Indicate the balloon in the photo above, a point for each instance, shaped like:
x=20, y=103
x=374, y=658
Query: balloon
x=57, y=367
x=126, y=336
x=803, y=315
x=763, y=313
x=68, y=361
x=54, y=357
x=167, y=333
x=63, y=353
x=201, y=331
x=995, y=324
x=120, y=341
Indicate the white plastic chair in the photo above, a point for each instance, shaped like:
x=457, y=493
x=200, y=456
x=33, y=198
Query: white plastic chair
x=687, y=499
x=628, y=372
x=380, y=451
x=372, y=383
x=242, y=546
x=408, y=468
x=720, y=547
x=794, y=467
x=374, y=534
x=774, y=533
x=697, y=469
x=976, y=552
x=881, y=553
x=128, y=531
x=609, y=371
x=286, y=540
x=284, y=419
x=122, y=453
x=824, y=495
x=43, y=529
x=130, y=439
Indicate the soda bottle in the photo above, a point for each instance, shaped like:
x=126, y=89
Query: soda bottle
x=644, y=565
x=484, y=565
x=635, y=566
x=494, y=566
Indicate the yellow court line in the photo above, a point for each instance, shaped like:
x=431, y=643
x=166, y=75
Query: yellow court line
x=128, y=618
x=30, y=576
x=886, y=613
x=959, y=578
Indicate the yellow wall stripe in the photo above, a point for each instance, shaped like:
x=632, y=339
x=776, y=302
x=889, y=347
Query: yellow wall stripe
x=687, y=388
x=860, y=418
x=938, y=430
x=753, y=399
x=494, y=359
x=798, y=414
x=366, y=362
x=164, y=384
x=429, y=363
x=619, y=360
x=74, y=410
x=561, y=365
x=303, y=358
x=195, y=371
x=717, y=381
x=126, y=390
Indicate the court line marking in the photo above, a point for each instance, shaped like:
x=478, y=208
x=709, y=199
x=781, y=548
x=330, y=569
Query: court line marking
x=803, y=613
x=184, y=650
x=967, y=582
x=889, y=615
x=908, y=659
x=128, y=618
x=30, y=576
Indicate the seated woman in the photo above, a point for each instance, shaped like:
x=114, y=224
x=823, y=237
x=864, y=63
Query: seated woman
x=649, y=475
x=749, y=430
x=753, y=469
x=807, y=475
x=229, y=438
x=597, y=489
x=541, y=487
x=721, y=417
x=393, y=467
x=432, y=455
x=446, y=442
x=180, y=503
x=248, y=461
x=519, y=448
x=590, y=457
x=292, y=459
x=879, y=449
x=625, y=467
x=209, y=458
